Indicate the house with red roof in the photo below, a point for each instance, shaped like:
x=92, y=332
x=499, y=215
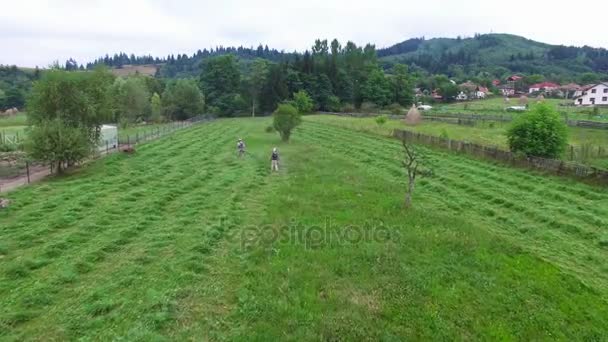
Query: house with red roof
x=514, y=78
x=544, y=86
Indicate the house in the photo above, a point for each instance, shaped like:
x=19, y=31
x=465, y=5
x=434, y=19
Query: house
x=496, y=83
x=482, y=92
x=507, y=90
x=435, y=95
x=544, y=87
x=595, y=95
x=462, y=96
x=579, y=91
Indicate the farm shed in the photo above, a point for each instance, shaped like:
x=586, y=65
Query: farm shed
x=108, y=137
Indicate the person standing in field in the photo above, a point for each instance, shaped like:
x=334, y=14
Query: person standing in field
x=240, y=145
x=274, y=160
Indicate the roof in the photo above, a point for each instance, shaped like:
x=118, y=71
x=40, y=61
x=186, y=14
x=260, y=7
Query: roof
x=545, y=85
x=514, y=78
x=496, y=82
x=571, y=86
x=483, y=89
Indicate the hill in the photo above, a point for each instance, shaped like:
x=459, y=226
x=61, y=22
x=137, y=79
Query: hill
x=496, y=54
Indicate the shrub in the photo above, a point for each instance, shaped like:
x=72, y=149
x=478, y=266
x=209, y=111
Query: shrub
x=381, y=120
x=269, y=129
x=369, y=107
x=444, y=134
x=539, y=132
x=395, y=109
x=285, y=118
x=303, y=102
x=333, y=104
x=348, y=108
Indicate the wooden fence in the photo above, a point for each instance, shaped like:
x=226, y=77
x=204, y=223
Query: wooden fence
x=553, y=166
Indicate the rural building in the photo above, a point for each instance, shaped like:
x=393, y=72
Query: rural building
x=108, y=138
x=544, y=87
x=462, y=96
x=482, y=92
x=594, y=95
x=507, y=90
x=514, y=78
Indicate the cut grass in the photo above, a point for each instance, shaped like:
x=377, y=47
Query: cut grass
x=183, y=240
x=483, y=133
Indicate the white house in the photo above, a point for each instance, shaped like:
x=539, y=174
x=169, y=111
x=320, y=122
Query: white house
x=462, y=96
x=595, y=95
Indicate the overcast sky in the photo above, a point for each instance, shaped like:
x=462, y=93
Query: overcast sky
x=38, y=32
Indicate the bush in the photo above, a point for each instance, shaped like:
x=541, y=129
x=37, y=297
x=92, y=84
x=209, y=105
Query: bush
x=333, y=104
x=395, y=109
x=369, y=107
x=540, y=132
x=285, y=118
x=269, y=129
x=381, y=120
x=303, y=102
x=444, y=134
x=348, y=108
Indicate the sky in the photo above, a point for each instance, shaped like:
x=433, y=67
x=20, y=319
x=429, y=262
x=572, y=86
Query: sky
x=39, y=32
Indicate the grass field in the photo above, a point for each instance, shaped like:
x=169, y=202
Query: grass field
x=183, y=240
x=495, y=105
x=486, y=133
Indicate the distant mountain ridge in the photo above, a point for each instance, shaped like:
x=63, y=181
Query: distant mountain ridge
x=495, y=54
x=485, y=54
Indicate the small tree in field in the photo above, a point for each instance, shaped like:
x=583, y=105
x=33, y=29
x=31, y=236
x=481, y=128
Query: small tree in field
x=540, y=132
x=413, y=164
x=58, y=143
x=285, y=118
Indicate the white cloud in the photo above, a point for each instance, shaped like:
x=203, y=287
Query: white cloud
x=37, y=32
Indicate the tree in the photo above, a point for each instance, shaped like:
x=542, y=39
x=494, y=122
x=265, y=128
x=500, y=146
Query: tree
x=182, y=99
x=413, y=164
x=541, y=133
x=449, y=91
x=377, y=89
x=285, y=118
x=402, y=90
x=156, y=108
x=220, y=81
x=257, y=78
x=303, y=102
x=58, y=143
x=66, y=111
x=131, y=99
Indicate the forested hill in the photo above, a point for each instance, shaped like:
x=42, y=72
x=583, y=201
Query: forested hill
x=496, y=54
x=492, y=55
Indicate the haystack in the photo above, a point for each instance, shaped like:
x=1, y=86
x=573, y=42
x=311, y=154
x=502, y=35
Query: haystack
x=523, y=100
x=413, y=116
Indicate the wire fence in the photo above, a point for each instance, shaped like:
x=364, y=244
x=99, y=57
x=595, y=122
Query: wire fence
x=552, y=166
x=16, y=169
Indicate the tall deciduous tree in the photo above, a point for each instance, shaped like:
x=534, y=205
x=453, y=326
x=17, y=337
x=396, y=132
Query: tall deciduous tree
x=257, y=77
x=220, y=81
x=66, y=111
x=182, y=99
x=156, y=108
x=402, y=90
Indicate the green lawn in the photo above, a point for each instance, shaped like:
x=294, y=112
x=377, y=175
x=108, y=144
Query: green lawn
x=184, y=241
x=484, y=133
x=495, y=105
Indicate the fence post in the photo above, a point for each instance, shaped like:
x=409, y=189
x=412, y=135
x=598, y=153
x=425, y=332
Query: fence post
x=107, y=147
x=27, y=169
x=571, y=153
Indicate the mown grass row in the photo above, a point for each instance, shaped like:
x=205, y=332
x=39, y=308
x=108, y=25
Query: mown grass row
x=541, y=214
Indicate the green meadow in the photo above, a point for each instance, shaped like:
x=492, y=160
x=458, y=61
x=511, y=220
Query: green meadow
x=183, y=240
